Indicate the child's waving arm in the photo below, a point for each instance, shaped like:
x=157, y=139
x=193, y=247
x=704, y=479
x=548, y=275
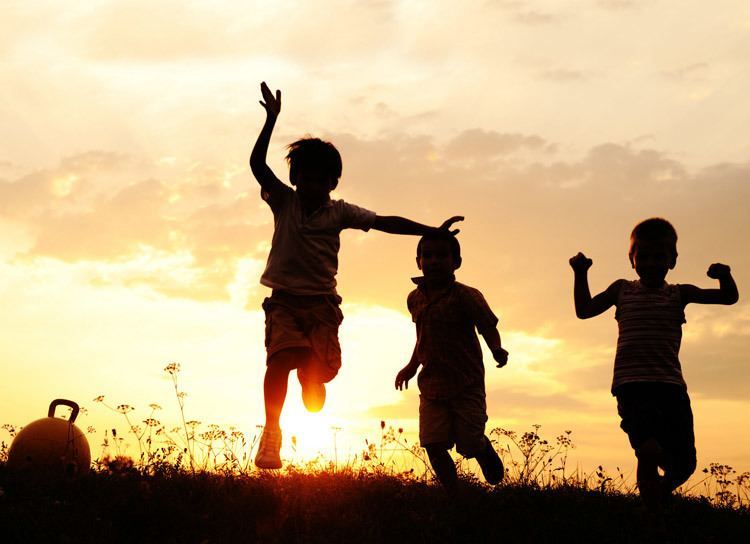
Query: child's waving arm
x=726, y=293
x=586, y=305
x=268, y=181
x=394, y=224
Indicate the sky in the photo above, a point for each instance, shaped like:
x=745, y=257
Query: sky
x=132, y=233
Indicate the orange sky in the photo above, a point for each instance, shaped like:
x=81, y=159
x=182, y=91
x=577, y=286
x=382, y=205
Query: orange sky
x=131, y=232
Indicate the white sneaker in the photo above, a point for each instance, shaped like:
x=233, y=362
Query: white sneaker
x=268, y=450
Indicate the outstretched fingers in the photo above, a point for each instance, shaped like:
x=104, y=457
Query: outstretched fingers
x=271, y=102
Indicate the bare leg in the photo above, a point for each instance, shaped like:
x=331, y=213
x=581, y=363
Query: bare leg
x=276, y=382
x=650, y=483
x=444, y=467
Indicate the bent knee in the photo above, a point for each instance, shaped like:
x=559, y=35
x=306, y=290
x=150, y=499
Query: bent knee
x=649, y=450
x=437, y=448
x=289, y=358
x=472, y=448
x=682, y=469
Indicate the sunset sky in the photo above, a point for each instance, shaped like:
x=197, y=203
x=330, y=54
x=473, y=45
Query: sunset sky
x=132, y=233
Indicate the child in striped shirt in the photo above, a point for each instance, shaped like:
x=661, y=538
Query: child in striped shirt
x=652, y=398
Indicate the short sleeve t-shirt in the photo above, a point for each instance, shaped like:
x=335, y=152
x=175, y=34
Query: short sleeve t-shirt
x=304, y=250
x=447, y=344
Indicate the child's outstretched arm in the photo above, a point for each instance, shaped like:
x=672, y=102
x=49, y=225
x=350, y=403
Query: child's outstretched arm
x=268, y=181
x=726, y=293
x=408, y=372
x=394, y=224
x=586, y=305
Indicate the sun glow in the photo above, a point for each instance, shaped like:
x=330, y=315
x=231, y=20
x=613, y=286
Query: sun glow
x=309, y=436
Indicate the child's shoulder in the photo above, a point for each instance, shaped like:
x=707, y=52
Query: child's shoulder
x=467, y=290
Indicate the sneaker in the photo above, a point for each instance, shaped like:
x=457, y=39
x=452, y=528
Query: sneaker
x=491, y=465
x=268, y=450
x=313, y=392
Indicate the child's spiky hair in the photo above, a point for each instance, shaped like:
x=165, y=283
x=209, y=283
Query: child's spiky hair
x=315, y=156
x=448, y=237
x=654, y=229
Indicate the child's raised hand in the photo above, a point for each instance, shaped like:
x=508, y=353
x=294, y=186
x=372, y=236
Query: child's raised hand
x=718, y=270
x=580, y=263
x=500, y=356
x=448, y=222
x=272, y=103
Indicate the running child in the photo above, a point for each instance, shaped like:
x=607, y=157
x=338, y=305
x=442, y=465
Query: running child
x=652, y=397
x=302, y=313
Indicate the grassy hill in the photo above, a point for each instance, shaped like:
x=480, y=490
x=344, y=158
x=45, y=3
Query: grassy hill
x=325, y=506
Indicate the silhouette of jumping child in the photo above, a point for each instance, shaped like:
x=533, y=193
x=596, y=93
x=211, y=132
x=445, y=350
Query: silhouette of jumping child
x=302, y=313
x=452, y=407
x=652, y=397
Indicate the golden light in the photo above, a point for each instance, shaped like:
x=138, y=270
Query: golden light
x=308, y=436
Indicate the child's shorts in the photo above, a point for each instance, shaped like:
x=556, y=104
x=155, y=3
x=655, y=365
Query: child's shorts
x=458, y=420
x=305, y=321
x=660, y=411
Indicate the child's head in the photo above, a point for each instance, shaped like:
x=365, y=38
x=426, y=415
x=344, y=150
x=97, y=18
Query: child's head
x=314, y=166
x=438, y=254
x=653, y=249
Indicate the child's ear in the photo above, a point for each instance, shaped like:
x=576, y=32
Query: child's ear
x=457, y=263
x=630, y=256
x=419, y=262
x=673, y=262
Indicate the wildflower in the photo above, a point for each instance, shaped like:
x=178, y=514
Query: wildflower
x=124, y=408
x=90, y=430
x=100, y=398
x=151, y=422
x=382, y=424
x=172, y=368
x=154, y=406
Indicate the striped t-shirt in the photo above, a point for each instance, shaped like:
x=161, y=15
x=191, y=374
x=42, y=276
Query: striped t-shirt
x=650, y=323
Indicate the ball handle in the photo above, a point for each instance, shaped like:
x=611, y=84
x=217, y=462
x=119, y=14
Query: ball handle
x=64, y=402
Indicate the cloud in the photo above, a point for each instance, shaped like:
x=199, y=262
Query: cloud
x=563, y=75
x=691, y=72
x=172, y=31
x=90, y=209
x=489, y=144
x=183, y=230
x=525, y=12
x=620, y=5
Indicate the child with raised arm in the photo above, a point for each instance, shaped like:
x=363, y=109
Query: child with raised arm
x=452, y=406
x=652, y=397
x=302, y=313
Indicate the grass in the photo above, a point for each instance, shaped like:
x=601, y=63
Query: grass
x=126, y=505
x=195, y=483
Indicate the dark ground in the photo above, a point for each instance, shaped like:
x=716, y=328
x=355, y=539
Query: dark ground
x=348, y=507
